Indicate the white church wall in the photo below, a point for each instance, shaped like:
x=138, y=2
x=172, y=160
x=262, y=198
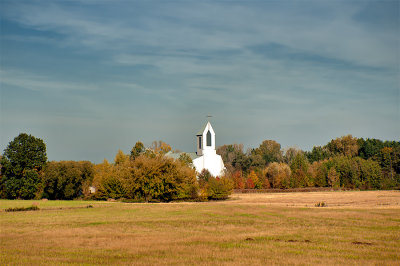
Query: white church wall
x=212, y=162
x=198, y=164
x=209, y=159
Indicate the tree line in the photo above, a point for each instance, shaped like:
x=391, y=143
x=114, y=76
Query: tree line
x=144, y=175
x=346, y=162
x=147, y=174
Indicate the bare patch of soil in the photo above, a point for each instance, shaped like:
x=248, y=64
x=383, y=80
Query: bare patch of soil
x=362, y=243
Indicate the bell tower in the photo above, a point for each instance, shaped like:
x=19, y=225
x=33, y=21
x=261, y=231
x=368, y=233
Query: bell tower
x=205, y=139
x=207, y=155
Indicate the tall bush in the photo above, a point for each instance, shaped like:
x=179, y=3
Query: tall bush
x=219, y=188
x=160, y=178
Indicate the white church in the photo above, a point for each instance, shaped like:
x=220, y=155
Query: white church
x=205, y=156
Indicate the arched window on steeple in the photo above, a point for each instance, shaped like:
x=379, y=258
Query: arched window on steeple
x=209, y=138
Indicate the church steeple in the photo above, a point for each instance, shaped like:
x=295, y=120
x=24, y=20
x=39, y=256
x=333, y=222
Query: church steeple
x=207, y=155
x=205, y=139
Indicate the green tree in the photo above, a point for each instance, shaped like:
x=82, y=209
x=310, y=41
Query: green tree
x=300, y=176
x=137, y=150
x=111, y=188
x=255, y=161
x=21, y=163
x=318, y=153
x=370, y=148
x=319, y=173
x=387, y=154
x=233, y=157
x=290, y=154
x=387, y=161
x=111, y=179
x=66, y=179
x=371, y=174
x=270, y=151
x=349, y=171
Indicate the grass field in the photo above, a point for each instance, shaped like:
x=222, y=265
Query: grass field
x=248, y=229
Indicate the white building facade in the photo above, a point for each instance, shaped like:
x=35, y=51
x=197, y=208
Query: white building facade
x=205, y=149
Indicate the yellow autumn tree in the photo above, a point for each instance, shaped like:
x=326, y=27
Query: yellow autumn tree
x=252, y=180
x=346, y=145
x=333, y=178
x=158, y=178
x=278, y=175
x=120, y=157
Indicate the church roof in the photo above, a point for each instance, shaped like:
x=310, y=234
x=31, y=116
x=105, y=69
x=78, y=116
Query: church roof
x=202, y=130
x=175, y=155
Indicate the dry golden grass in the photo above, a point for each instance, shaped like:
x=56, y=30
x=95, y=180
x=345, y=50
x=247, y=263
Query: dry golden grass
x=248, y=229
x=337, y=199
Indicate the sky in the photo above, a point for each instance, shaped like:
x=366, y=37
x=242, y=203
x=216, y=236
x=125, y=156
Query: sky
x=91, y=77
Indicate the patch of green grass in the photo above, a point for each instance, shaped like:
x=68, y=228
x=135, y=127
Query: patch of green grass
x=249, y=215
x=273, y=214
x=94, y=224
x=295, y=252
x=19, y=209
x=232, y=245
x=43, y=204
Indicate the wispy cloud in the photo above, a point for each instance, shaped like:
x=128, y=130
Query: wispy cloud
x=175, y=26
x=295, y=70
x=40, y=83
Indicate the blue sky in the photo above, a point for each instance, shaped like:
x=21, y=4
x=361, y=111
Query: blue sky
x=91, y=77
